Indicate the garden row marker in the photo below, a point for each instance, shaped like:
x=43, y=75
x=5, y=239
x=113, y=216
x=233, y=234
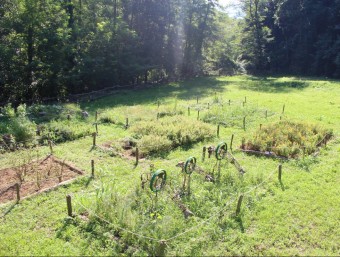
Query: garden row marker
x=203, y=154
x=17, y=188
x=69, y=205
x=218, y=130
x=283, y=109
x=96, y=117
x=266, y=114
x=244, y=123
x=94, y=134
x=188, y=111
x=137, y=155
x=50, y=145
x=280, y=172
x=238, y=209
x=231, y=142
x=229, y=102
x=198, y=115
x=260, y=126
x=92, y=168
x=127, y=123
x=96, y=128
x=245, y=99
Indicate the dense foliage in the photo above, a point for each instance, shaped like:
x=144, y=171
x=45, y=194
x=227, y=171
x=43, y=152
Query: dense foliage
x=55, y=48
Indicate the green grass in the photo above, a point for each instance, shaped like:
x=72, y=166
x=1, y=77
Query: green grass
x=299, y=216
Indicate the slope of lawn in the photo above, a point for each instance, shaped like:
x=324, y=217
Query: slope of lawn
x=113, y=214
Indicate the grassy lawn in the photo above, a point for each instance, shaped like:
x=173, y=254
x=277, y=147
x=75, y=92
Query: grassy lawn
x=113, y=214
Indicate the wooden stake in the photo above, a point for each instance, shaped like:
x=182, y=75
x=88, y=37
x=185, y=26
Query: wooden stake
x=17, y=188
x=50, y=145
x=229, y=102
x=244, y=123
x=280, y=172
x=137, y=156
x=94, y=138
x=260, y=126
x=69, y=205
x=127, y=123
x=198, y=115
x=96, y=117
x=161, y=249
x=239, y=203
x=203, y=154
x=283, y=109
x=266, y=114
x=96, y=128
x=243, y=103
x=208, y=106
x=188, y=111
x=231, y=142
x=245, y=99
x=92, y=168
x=218, y=130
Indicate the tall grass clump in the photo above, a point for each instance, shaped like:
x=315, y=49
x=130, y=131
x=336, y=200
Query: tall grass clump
x=170, y=132
x=288, y=139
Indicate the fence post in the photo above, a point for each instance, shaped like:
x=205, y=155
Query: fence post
x=96, y=117
x=239, y=203
x=50, y=145
x=137, y=156
x=198, y=115
x=188, y=111
x=97, y=128
x=244, y=123
x=17, y=188
x=218, y=130
x=92, y=168
x=229, y=102
x=69, y=205
x=94, y=138
x=266, y=114
x=203, y=154
x=245, y=99
x=127, y=123
x=197, y=99
x=231, y=142
x=280, y=172
x=283, y=109
x=260, y=126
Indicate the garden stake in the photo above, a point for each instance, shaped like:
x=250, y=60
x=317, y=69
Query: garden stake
x=238, y=209
x=94, y=138
x=137, y=155
x=198, y=115
x=260, y=126
x=92, y=168
x=188, y=111
x=50, y=145
x=68, y=116
x=266, y=114
x=17, y=188
x=280, y=172
x=218, y=130
x=244, y=123
x=245, y=99
x=127, y=123
x=229, y=102
x=203, y=154
x=283, y=109
x=161, y=248
x=96, y=128
x=69, y=205
x=96, y=117
x=231, y=142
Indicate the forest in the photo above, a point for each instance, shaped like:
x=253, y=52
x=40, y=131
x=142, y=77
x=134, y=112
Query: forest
x=53, y=48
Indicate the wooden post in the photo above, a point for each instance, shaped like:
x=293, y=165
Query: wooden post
x=245, y=99
x=127, y=123
x=260, y=126
x=96, y=117
x=283, y=109
x=280, y=172
x=266, y=114
x=17, y=188
x=161, y=249
x=243, y=103
x=188, y=111
x=92, y=168
x=157, y=115
x=244, y=123
x=137, y=156
x=68, y=116
x=198, y=115
x=218, y=130
x=239, y=203
x=280, y=117
x=50, y=145
x=231, y=142
x=203, y=154
x=94, y=138
x=208, y=106
x=229, y=102
x=69, y=205
x=96, y=128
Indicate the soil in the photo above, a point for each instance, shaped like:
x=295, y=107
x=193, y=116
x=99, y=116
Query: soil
x=39, y=176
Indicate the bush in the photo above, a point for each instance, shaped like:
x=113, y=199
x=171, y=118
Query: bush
x=288, y=139
x=165, y=134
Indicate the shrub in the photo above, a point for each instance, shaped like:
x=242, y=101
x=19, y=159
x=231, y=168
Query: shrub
x=288, y=139
x=170, y=132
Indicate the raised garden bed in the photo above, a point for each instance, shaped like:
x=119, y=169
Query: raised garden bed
x=34, y=177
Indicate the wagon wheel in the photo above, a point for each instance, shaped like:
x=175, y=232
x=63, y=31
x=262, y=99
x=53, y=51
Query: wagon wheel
x=221, y=151
x=190, y=165
x=158, y=180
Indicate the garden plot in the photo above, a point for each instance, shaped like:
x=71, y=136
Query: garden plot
x=35, y=176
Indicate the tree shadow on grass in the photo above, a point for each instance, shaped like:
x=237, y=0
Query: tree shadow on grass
x=184, y=90
x=272, y=85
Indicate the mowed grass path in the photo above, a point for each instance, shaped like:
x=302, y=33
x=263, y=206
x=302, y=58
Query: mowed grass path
x=301, y=216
